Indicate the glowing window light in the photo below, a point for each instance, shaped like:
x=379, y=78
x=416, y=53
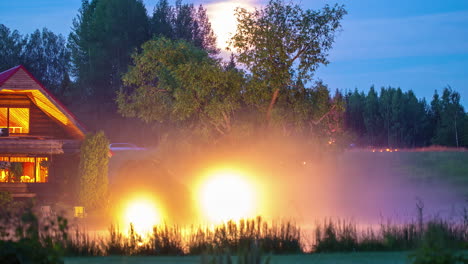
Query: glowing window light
x=15, y=118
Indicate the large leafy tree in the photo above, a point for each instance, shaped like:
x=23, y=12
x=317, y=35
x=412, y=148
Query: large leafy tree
x=104, y=35
x=174, y=82
x=282, y=45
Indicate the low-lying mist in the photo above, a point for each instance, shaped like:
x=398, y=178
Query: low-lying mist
x=295, y=179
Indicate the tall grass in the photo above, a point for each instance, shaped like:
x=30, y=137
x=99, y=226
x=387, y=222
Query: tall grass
x=276, y=238
x=164, y=240
x=342, y=236
x=21, y=230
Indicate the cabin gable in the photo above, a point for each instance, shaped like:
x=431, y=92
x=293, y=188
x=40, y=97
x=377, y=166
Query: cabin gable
x=48, y=117
x=40, y=139
x=36, y=121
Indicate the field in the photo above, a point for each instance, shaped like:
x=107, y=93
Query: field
x=451, y=167
x=336, y=258
x=421, y=166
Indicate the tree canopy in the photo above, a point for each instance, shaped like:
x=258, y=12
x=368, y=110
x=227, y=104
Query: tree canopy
x=282, y=46
x=176, y=82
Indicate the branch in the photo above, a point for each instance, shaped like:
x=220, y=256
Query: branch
x=325, y=115
x=217, y=127
x=299, y=53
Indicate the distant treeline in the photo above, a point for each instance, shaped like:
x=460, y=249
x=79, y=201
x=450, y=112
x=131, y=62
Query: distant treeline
x=395, y=118
x=107, y=44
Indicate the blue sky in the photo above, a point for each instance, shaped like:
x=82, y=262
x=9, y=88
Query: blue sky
x=419, y=45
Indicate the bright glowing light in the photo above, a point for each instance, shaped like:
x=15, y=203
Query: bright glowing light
x=223, y=21
x=142, y=214
x=227, y=195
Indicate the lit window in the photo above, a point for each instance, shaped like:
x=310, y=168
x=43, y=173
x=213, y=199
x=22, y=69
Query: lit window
x=24, y=169
x=3, y=117
x=16, y=119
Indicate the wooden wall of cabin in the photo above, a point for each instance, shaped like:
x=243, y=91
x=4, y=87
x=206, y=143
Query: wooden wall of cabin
x=42, y=125
x=63, y=180
x=66, y=174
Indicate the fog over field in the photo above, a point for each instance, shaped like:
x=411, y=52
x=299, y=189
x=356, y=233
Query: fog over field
x=296, y=183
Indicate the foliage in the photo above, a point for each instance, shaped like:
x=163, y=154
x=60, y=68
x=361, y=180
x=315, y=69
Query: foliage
x=104, y=34
x=163, y=241
x=93, y=182
x=161, y=23
x=43, y=53
x=335, y=237
x=449, y=117
x=202, y=96
x=11, y=47
x=437, y=247
x=174, y=82
x=47, y=57
x=25, y=238
x=342, y=236
x=282, y=45
x=16, y=171
x=81, y=244
x=398, y=119
x=277, y=238
x=184, y=22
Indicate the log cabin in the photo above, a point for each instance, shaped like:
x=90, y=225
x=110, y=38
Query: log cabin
x=39, y=138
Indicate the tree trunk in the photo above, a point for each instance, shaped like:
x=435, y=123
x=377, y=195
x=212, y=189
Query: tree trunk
x=272, y=104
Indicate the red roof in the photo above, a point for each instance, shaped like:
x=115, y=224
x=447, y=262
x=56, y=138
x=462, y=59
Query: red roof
x=4, y=76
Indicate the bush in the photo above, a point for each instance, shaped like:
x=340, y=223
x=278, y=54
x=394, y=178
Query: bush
x=93, y=182
x=25, y=239
x=332, y=237
x=438, y=245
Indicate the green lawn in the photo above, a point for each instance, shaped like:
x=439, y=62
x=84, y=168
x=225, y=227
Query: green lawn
x=335, y=258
